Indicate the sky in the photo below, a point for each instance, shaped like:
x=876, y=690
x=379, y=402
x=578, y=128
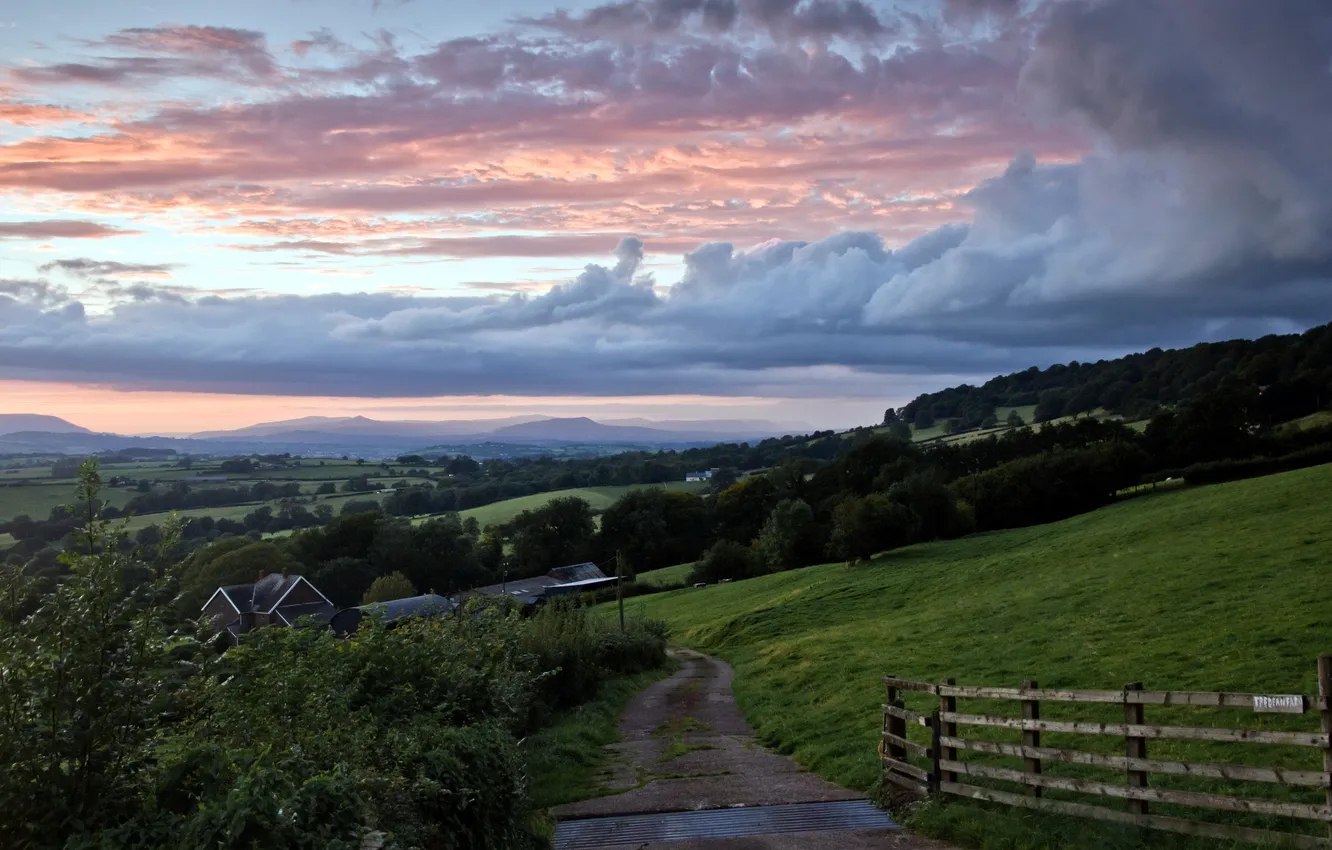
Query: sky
x=213, y=214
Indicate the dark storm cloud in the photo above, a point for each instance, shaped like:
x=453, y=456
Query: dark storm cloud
x=784, y=19
x=966, y=10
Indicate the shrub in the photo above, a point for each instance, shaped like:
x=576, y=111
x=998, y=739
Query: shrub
x=583, y=650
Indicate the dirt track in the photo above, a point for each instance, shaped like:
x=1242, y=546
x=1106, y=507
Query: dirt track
x=686, y=747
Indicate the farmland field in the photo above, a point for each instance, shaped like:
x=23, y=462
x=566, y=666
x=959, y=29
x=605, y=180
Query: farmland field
x=238, y=512
x=1211, y=588
x=599, y=498
x=34, y=492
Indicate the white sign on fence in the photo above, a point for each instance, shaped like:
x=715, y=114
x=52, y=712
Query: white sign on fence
x=1279, y=703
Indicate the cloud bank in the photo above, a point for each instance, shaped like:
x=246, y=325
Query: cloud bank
x=1200, y=208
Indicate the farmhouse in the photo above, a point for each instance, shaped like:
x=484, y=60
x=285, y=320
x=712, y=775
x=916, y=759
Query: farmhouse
x=272, y=600
x=706, y=475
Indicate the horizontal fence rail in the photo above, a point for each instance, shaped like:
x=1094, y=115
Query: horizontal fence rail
x=950, y=773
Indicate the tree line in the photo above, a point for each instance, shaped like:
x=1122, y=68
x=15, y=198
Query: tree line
x=1292, y=373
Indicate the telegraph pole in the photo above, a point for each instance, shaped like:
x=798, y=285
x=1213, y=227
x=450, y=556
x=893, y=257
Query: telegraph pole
x=619, y=590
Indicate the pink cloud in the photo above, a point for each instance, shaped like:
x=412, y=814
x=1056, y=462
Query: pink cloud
x=691, y=139
x=573, y=245
x=59, y=229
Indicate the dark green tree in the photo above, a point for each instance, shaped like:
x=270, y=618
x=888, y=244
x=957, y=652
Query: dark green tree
x=557, y=534
x=388, y=588
x=789, y=538
x=725, y=560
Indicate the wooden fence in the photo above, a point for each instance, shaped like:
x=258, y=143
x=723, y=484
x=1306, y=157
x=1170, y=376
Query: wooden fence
x=949, y=773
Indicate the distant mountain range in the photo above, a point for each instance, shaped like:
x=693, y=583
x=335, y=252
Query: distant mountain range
x=363, y=425
x=13, y=423
x=516, y=429
x=359, y=435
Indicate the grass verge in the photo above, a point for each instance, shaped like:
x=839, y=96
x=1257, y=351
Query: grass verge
x=565, y=760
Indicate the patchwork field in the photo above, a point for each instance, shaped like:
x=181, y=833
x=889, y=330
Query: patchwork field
x=33, y=491
x=1214, y=588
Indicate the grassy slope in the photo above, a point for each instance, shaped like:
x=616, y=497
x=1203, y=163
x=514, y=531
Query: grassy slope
x=1217, y=588
x=599, y=498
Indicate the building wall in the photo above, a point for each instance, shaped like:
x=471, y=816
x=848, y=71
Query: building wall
x=219, y=612
x=302, y=593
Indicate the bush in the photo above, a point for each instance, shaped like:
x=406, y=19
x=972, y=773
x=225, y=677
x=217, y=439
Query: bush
x=725, y=560
x=584, y=650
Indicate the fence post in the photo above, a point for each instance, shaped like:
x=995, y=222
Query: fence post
x=935, y=754
x=1135, y=747
x=895, y=725
x=949, y=729
x=1324, y=698
x=1031, y=710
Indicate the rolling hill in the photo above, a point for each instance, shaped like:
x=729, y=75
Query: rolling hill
x=360, y=425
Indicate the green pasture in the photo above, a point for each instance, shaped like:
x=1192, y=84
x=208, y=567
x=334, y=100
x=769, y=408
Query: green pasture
x=238, y=512
x=1220, y=588
x=37, y=499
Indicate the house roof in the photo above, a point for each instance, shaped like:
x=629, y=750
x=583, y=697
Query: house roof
x=579, y=586
x=529, y=591
x=413, y=606
x=265, y=596
x=348, y=620
x=322, y=612
x=575, y=572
